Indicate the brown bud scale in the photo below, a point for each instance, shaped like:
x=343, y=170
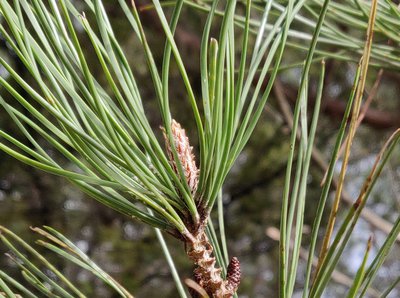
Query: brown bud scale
x=185, y=155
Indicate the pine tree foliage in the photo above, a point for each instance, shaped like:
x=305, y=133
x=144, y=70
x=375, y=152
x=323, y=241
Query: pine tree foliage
x=112, y=153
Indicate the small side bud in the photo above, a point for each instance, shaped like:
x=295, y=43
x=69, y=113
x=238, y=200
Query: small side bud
x=233, y=275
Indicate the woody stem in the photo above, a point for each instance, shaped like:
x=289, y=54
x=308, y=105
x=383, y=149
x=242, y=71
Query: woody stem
x=206, y=274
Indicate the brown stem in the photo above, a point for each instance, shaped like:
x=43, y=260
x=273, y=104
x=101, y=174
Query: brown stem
x=198, y=247
x=206, y=274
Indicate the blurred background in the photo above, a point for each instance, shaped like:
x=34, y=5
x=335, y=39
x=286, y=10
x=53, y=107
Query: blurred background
x=129, y=251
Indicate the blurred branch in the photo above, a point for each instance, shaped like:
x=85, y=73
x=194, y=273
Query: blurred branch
x=363, y=111
x=334, y=107
x=370, y=216
x=375, y=118
x=337, y=276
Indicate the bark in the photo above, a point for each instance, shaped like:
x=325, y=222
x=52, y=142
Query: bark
x=198, y=247
x=206, y=273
